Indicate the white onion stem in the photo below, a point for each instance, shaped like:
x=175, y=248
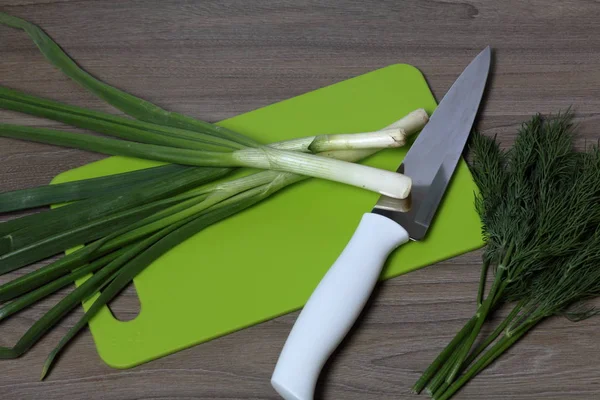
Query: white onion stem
x=412, y=122
x=383, y=139
x=385, y=182
x=393, y=135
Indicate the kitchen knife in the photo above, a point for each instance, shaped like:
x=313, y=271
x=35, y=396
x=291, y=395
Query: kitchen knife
x=341, y=295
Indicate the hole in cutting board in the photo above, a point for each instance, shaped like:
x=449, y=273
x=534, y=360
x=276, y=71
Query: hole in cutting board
x=126, y=306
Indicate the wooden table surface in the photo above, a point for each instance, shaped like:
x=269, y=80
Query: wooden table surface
x=216, y=59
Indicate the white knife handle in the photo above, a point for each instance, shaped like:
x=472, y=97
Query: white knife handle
x=334, y=306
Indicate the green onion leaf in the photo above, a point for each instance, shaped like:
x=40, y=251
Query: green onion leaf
x=129, y=104
x=79, y=190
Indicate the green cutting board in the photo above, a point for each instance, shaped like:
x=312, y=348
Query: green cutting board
x=266, y=261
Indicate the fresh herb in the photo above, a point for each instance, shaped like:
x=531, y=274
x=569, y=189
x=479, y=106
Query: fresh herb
x=540, y=212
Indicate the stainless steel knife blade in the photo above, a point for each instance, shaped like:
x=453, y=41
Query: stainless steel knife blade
x=432, y=158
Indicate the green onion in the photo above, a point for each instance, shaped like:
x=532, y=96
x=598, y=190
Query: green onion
x=123, y=222
x=129, y=104
x=87, y=289
x=34, y=296
x=146, y=111
x=123, y=131
x=82, y=117
x=80, y=190
x=388, y=183
x=156, y=134
x=38, y=226
x=24, y=253
x=263, y=185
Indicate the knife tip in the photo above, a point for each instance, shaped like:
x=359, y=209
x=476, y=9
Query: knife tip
x=485, y=54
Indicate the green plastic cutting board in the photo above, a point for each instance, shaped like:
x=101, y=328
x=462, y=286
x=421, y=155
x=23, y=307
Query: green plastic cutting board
x=266, y=261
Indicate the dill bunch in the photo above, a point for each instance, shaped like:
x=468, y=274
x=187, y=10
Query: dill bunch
x=540, y=211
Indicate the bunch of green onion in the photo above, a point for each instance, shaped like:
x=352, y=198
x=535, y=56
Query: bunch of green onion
x=128, y=220
x=539, y=203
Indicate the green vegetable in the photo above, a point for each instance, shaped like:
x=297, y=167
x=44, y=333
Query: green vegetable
x=126, y=221
x=112, y=124
x=35, y=295
x=540, y=210
x=33, y=228
x=388, y=183
x=153, y=145
x=80, y=190
x=129, y=104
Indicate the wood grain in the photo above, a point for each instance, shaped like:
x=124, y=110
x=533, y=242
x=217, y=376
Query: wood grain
x=216, y=59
